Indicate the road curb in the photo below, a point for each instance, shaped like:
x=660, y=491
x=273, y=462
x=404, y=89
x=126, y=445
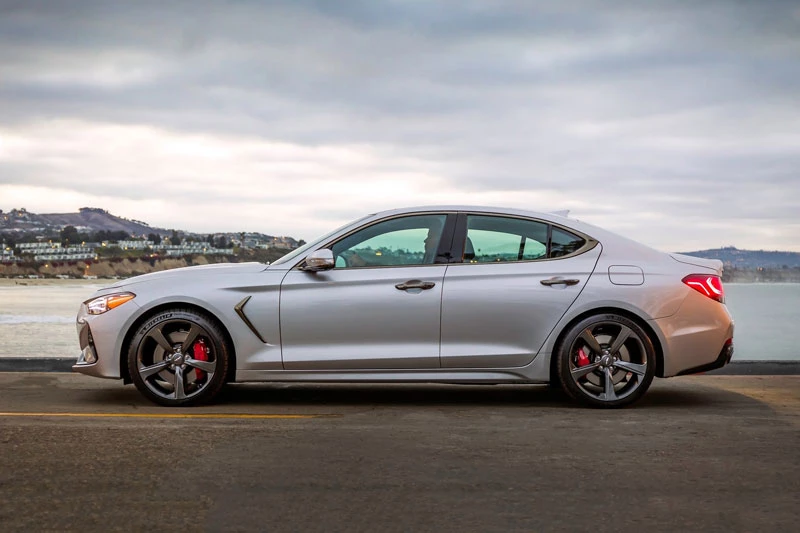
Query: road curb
x=736, y=368
x=36, y=364
x=758, y=368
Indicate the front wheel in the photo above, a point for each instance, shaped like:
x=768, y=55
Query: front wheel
x=606, y=361
x=179, y=357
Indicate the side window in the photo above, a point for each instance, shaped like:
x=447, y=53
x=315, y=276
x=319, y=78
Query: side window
x=412, y=240
x=497, y=239
x=563, y=243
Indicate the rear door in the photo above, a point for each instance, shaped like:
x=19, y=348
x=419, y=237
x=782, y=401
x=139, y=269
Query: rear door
x=517, y=278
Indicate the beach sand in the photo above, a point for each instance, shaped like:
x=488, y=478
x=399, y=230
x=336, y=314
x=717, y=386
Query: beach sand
x=8, y=282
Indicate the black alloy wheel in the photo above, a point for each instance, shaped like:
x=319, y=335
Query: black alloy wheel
x=606, y=360
x=179, y=357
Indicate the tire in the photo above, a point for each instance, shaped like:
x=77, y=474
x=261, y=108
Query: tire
x=164, y=372
x=606, y=360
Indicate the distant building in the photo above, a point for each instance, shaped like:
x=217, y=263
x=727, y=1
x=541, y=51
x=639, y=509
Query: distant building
x=191, y=248
x=135, y=245
x=256, y=241
x=71, y=253
x=7, y=254
x=47, y=251
x=283, y=242
x=78, y=250
x=37, y=247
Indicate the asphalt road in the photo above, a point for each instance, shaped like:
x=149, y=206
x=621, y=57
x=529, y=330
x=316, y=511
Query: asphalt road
x=698, y=453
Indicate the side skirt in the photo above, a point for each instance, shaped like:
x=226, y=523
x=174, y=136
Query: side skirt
x=397, y=376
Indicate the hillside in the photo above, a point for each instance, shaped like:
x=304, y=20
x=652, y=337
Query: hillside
x=85, y=220
x=750, y=259
x=98, y=219
x=21, y=222
x=95, y=224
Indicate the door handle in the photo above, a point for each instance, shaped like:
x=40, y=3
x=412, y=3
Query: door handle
x=415, y=284
x=559, y=281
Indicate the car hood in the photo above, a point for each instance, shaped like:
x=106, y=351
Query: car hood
x=714, y=264
x=192, y=272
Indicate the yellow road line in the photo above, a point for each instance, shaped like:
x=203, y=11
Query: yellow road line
x=233, y=416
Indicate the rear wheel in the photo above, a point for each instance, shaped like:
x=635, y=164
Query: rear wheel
x=179, y=357
x=606, y=361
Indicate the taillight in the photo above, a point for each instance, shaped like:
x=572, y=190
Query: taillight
x=706, y=285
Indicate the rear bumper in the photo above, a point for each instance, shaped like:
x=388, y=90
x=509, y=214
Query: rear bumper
x=698, y=338
x=723, y=359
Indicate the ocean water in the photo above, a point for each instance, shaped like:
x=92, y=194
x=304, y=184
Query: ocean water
x=39, y=320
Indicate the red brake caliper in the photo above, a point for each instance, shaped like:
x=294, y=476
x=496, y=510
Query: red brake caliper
x=199, y=352
x=583, y=359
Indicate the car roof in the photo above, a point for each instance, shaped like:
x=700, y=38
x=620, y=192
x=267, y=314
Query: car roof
x=552, y=216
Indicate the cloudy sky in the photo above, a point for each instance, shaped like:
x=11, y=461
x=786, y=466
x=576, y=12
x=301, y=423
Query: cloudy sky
x=676, y=123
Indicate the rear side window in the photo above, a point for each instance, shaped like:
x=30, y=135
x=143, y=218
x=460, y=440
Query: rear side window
x=492, y=239
x=498, y=239
x=564, y=243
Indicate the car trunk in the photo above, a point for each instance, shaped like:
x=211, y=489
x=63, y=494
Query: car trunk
x=713, y=264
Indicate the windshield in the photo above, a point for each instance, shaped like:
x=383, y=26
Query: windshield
x=300, y=251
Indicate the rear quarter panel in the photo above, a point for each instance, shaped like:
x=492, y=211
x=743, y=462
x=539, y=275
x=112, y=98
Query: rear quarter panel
x=690, y=329
x=660, y=295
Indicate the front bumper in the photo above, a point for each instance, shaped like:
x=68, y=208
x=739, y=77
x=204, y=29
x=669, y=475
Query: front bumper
x=102, y=336
x=88, y=360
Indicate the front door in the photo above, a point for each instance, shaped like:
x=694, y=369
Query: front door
x=379, y=309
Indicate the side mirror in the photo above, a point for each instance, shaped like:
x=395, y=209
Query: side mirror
x=321, y=259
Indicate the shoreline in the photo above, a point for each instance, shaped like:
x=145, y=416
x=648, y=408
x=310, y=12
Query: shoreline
x=38, y=282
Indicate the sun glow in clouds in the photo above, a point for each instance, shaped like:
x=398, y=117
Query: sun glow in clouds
x=205, y=183
x=675, y=125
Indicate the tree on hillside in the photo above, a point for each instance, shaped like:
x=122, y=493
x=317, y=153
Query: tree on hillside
x=110, y=251
x=113, y=236
x=69, y=235
x=155, y=237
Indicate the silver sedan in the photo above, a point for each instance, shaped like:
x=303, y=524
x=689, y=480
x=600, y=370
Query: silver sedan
x=450, y=295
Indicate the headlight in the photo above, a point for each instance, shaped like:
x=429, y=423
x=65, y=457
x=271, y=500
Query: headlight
x=100, y=305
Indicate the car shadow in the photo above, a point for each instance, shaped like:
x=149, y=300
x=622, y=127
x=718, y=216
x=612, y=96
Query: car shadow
x=239, y=396
x=421, y=395
x=392, y=394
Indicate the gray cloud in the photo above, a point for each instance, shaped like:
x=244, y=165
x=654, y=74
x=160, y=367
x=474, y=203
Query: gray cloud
x=679, y=113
